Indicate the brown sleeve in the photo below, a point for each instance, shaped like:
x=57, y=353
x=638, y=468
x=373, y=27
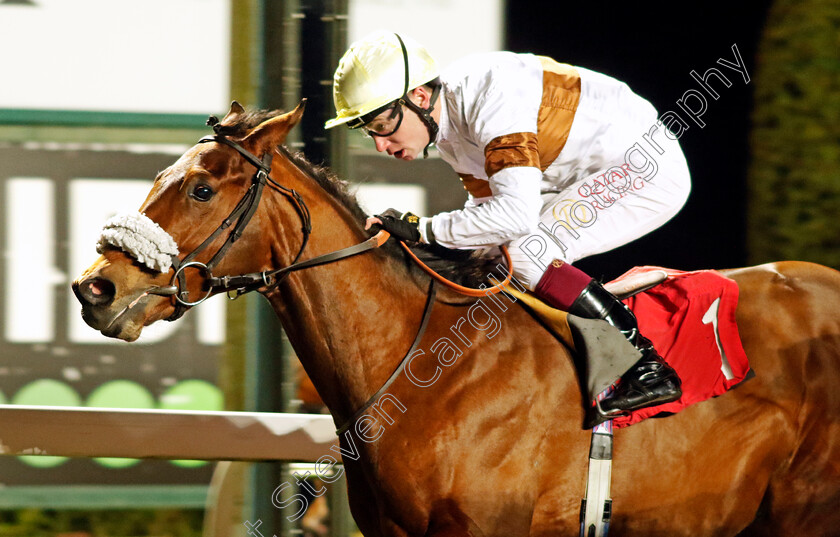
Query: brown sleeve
x=479, y=188
x=510, y=150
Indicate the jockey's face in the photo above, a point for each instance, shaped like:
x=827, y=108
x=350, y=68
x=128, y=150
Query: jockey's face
x=409, y=139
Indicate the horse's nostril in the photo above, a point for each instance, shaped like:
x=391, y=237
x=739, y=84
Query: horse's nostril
x=96, y=291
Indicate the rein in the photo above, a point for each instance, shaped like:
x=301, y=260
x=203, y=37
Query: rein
x=242, y=214
x=244, y=211
x=468, y=291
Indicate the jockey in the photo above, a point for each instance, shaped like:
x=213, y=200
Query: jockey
x=560, y=163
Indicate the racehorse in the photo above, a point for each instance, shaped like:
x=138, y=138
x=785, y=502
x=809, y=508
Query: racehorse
x=486, y=439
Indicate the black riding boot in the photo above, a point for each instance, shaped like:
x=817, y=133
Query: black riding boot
x=650, y=381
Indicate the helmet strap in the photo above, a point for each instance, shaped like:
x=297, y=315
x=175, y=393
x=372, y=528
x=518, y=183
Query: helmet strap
x=425, y=114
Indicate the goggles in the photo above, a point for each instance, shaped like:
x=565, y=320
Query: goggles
x=373, y=125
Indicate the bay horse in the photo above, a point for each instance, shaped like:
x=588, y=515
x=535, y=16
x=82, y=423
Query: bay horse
x=494, y=446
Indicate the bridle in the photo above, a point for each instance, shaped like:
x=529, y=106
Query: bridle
x=239, y=218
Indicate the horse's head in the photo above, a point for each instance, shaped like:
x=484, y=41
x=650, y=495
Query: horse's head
x=152, y=262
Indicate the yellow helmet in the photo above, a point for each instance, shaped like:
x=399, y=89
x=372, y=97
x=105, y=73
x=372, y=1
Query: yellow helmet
x=375, y=71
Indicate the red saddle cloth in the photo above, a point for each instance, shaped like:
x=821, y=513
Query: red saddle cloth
x=690, y=318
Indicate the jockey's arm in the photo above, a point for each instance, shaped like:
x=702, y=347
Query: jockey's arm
x=498, y=117
x=513, y=211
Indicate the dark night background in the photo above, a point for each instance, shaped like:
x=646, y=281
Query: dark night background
x=653, y=46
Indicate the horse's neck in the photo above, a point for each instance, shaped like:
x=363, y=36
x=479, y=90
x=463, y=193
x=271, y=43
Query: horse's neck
x=349, y=321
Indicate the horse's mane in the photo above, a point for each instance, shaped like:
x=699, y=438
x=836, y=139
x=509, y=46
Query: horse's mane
x=464, y=267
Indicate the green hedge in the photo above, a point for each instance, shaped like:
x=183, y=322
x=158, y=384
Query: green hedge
x=794, y=177
x=106, y=523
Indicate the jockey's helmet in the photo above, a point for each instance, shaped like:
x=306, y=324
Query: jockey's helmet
x=376, y=71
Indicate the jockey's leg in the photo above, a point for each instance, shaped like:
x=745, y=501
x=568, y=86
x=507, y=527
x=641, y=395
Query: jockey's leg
x=592, y=215
x=650, y=381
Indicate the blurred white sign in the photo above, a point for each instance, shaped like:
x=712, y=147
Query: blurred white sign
x=173, y=56
x=149, y=56
x=449, y=29
x=32, y=271
x=375, y=198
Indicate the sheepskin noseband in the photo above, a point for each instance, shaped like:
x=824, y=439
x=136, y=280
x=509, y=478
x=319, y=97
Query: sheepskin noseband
x=140, y=237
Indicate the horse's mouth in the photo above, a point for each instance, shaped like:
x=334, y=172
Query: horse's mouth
x=116, y=326
x=117, y=322
x=121, y=331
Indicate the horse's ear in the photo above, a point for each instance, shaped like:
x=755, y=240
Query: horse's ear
x=272, y=132
x=236, y=110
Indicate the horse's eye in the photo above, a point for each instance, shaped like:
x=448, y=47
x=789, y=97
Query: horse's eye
x=202, y=193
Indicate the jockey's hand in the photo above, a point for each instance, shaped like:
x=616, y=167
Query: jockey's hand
x=404, y=227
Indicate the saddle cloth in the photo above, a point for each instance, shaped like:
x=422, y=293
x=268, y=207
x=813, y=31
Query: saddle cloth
x=690, y=318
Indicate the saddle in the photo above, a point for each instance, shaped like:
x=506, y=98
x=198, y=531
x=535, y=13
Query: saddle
x=689, y=317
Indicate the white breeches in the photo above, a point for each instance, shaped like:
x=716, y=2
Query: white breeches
x=624, y=201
